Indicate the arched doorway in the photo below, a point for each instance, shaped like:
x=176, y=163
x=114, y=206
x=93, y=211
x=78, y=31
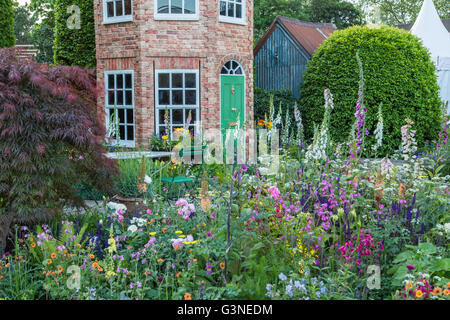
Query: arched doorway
x=232, y=96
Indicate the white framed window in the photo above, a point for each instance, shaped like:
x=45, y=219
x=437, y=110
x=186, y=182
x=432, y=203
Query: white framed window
x=176, y=9
x=119, y=101
x=115, y=11
x=232, y=11
x=177, y=96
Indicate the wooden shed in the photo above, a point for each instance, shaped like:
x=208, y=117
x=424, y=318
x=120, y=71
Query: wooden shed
x=281, y=55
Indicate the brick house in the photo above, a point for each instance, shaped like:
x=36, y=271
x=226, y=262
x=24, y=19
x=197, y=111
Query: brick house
x=174, y=57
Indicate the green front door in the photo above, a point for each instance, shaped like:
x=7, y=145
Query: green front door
x=232, y=104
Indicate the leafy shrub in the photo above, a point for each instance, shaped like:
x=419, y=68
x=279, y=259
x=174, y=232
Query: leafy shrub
x=398, y=73
x=7, y=37
x=50, y=139
x=75, y=47
x=262, y=103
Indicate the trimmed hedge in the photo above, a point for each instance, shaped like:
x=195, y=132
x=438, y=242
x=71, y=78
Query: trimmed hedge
x=7, y=36
x=398, y=73
x=75, y=47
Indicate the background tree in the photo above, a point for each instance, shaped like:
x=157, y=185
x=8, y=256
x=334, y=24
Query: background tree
x=7, y=37
x=395, y=12
x=51, y=139
x=24, y=22
x=343, y=14
x=265, y=11
x=43, y=37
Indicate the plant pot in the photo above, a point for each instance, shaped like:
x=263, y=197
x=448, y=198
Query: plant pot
x=132, y=204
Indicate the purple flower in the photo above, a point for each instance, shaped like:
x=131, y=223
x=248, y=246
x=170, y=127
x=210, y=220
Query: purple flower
x=410, y=267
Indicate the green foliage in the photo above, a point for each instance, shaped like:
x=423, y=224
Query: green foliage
x=426, y=258
x=398, y=72
x=74, y=47
x=7, y=37
x=23, y=24
x=343, y=14
x=262, y=102
x=43, y=35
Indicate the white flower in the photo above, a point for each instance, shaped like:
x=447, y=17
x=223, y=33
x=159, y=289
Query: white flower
x=132, y=228
x=147, y=180
x=116, y=206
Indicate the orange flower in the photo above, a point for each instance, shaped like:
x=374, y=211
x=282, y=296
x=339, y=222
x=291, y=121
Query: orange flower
x=222, y=265
x=419, y=293
x=99, y=268
x=176, y=248
x=409, y=285
x=49, y=261
x=53, y=255
x=160, y=260
x=79, y=245
x=33, y=245
x=178, y=274
x=437, y=291
x=60, y=269
x=91, y=256
x=164, y=230
x=95, y=265
x=446, y=292
x=187, y=296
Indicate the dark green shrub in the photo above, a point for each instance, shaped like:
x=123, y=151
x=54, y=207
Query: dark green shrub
x=262, y=102
x=398, y=73
x=7, y=37
x=75, y=47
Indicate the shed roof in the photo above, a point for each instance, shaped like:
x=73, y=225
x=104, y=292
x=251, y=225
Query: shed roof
x=309, y=35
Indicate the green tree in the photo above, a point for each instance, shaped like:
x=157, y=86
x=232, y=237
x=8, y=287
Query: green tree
x=265, y=11
x=43, y=36
x=395, y=12
x=74, y=45
x=7, y=37
x=24, y=22
x=343, y=14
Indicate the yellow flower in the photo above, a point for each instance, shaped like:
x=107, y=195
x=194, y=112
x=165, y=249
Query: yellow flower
x=179, y=232
x=446, y=292
x=419, y=293
x=164, y=138
x=152, y=233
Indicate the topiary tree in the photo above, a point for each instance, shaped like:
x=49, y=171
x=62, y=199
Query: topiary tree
x=74, y=46
x=7, y=37
x=51, y=139
x=398, y=73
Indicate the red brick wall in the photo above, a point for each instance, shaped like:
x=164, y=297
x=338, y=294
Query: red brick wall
x=166, y=44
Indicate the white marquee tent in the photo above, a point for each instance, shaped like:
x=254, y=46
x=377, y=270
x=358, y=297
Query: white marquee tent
x=436, y=38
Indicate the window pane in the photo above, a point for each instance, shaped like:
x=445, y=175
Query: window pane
x=189, y=6
x=177, y=116
x=230, y=9
x=111, y=97
x=162, y=130
x=177, y=97
x=119, y=8
x=238, y=71
x=121, y=114
x=238, y=11
x=119, y=97
x=129, y=98
x=191, y=97
x=130, y=116
x=176, y=6
x=163, y=80
x=111, y=81
x=177, y=80
x=111, y=112
x=128, y=81
x=190, y=81
x=130, y=133
x=122, y=132
x=127, y=7
x=161, y=116
x=163, y=6
x=223, y=8
x=110, y=9
x=119, y=80
x=164, y=97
